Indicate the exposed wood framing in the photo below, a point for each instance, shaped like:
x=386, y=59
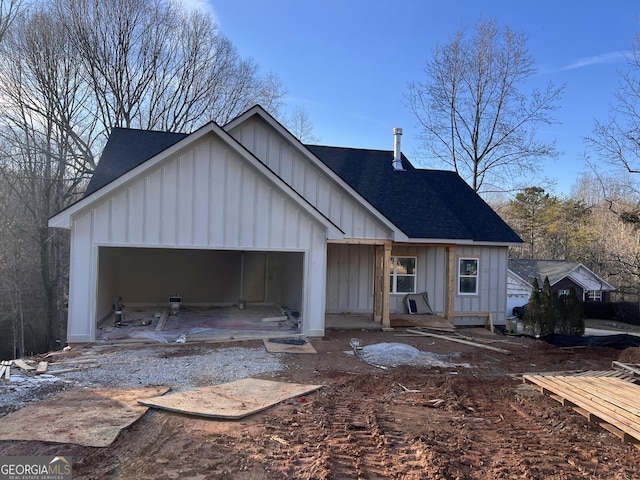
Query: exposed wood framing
x=377, y=284
x=451, y=280
x=386, y=285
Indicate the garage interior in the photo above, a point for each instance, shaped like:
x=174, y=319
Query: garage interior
x=170, y=295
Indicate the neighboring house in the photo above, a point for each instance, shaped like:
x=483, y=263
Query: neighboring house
x=246, y=211
x=562, y=277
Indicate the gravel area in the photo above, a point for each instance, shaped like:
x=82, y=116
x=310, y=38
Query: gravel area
x=181, y=368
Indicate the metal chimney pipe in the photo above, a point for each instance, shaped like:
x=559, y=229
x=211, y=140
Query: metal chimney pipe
x=397, y=151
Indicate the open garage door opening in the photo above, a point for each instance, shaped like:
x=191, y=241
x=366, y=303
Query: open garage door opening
x=170, y=295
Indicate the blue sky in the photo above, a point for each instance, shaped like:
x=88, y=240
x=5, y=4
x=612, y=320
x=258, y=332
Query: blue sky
x=349, y=62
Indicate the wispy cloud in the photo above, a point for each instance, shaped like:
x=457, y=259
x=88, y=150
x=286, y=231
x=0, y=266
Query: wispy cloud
x=605, y=58
x=202, y=5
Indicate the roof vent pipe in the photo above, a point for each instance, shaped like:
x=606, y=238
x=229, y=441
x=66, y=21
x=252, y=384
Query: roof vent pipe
x=397, y=151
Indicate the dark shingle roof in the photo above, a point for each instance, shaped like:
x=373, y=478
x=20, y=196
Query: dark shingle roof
x=126, y=149
x=422, y=203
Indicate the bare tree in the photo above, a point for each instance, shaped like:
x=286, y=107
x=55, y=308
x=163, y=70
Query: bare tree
x=153, y=65
x=300, y=125
x=73, y=69
x=474, y=113
x=9, y=10
x=617, y=139
x=46, y=143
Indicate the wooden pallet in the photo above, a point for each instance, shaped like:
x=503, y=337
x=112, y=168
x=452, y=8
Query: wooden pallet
x=609, y=401
x=625, y=375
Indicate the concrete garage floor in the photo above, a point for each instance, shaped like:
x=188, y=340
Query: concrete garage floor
x=198, y=324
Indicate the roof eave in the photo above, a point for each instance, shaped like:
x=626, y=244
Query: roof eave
x=64, y=219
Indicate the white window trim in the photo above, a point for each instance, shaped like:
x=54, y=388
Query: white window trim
x=476, y=276
x=597, y=295
x=394, y=275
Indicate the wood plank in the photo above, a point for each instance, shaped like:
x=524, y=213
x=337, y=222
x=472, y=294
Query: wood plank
x=616, y=392
x=162, y=321
x=616, y=401
x=23, y=365
x=435, y=322
x=628, y=367
x=42, y=367
x=73, y=369
x=275, y=319
x=459, y=340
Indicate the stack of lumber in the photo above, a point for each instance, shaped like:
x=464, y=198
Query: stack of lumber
x=609, y=400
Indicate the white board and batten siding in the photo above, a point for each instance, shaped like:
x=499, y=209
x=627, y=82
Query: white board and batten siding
x=351, y=270
x=206, y=196
x=492, y=285
x=316, y=186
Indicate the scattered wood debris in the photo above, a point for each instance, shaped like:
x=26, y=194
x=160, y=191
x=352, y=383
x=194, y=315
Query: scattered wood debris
x=633, y=368
x=42, y=368
x=23, y=365
x=459, y=340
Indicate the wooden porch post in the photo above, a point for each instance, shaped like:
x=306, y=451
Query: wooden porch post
x=451, y=282
x=386, y=285
x=377, y=284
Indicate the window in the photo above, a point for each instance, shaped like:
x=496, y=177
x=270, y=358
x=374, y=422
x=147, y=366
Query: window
x=563, y=293
x=468, y=276
x=594, y=295
x=403, y=274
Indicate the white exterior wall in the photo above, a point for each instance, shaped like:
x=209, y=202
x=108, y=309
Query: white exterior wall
x=492, y=285
x=350, y=280
x=307, y=179
x=206, y=196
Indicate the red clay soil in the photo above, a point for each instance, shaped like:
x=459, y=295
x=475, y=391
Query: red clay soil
x=370, y=423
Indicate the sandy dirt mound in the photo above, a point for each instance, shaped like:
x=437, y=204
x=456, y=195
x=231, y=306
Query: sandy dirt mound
x=630, y=355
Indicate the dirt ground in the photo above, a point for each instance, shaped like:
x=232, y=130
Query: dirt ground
x=370, y=423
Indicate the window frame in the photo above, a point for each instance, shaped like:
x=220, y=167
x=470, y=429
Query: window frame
x=476, y=276
x=394, y=274
x=596, y=297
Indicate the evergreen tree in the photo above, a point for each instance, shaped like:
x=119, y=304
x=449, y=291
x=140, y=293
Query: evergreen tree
x=549, y=311
x=571, y=318
x=532, y=315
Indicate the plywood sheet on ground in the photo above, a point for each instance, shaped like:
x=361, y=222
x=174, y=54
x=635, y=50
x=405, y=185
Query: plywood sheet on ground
x=230, y=400
x=275, y=347
x=435, y=322
x=90, y=417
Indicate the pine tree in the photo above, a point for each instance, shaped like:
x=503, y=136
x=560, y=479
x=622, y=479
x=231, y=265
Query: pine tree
x=531, y=319
x=571, y=320
x=549, y=310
